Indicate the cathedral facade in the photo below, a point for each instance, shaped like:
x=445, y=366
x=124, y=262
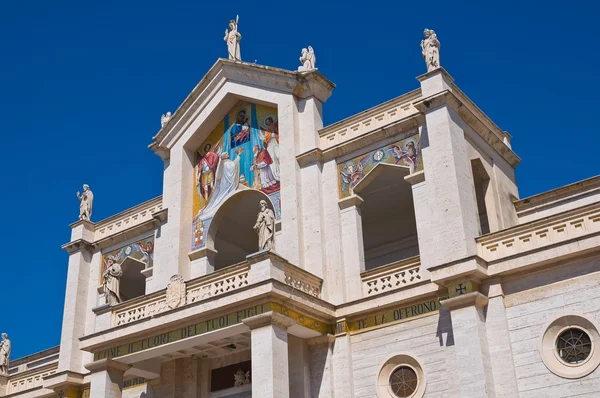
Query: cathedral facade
x=387, y=255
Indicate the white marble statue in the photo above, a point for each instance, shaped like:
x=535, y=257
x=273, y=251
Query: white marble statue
x=430, y=47
x=86, y=202
x=265, y=227
x=4, y=354
x=308, y=60
x=232, y=38
x=164, y=119
x=112, y=275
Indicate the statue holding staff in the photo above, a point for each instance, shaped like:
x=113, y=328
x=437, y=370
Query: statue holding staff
x=232, y=38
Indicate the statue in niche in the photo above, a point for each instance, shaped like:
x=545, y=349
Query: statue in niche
x=86, y=201
x=164, y=119
x=241, y=378
x=308, y=60
x=232, y=38
x=265, y=227
x=4, y=354
x=430, y=47
x=112, y=276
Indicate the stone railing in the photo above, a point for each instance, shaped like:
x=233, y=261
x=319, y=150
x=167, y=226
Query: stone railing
x=258, y=269
x=533, y=235
x=369, y=120
x=393, y=276
x=127, y=219
x=29, y=379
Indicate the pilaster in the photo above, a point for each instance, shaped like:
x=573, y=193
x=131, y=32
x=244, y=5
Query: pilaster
x=353, y=246
x=343, y=378
x=501, y=356
x=270, y=370
x=202, y=262
x=473, y=366
x=107, y=378
x=81, y=253
x=452, y=221
x=321, y=366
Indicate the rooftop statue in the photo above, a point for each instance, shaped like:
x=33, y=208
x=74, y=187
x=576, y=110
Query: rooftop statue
x=308, y=60
x=232, y=38
x=86, y=203
x=430, y=47
x=164, y=119
x=4, y=354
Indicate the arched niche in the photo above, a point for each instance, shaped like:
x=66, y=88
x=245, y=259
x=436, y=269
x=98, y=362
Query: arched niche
x=389, y=227
x=133, y=282
x=231, y=234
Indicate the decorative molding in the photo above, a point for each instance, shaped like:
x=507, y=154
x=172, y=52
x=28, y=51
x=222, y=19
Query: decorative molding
x=466, y=300
x=30, y=379
x=107, y=364
x=269, y=318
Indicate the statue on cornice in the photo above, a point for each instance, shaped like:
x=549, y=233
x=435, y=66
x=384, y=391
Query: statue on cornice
x=86, y=202
x=233, y=38
x=4, y=354
x=430, y=47
x=308, y=60
x=112, y=277
x=164, y=119
x=265, y=227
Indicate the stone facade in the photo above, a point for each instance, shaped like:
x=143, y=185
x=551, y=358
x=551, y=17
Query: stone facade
x=404, y=265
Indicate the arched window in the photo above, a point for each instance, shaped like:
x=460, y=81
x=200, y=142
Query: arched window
x=231, y=234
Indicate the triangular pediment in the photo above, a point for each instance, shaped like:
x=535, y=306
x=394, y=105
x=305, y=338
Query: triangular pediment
x=199, y=108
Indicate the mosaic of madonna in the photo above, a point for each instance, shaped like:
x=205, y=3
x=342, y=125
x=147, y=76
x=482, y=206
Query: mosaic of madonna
x=142, y=250
x=242, y=152
x=406, y=152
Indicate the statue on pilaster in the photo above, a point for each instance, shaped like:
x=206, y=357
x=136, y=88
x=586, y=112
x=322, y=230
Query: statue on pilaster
x=4, y=354
x=265, y=227
x=112, y=277
x=233, y=38
x=430, y=47
x=164, y=119
x=86, y=202
x=308, y=60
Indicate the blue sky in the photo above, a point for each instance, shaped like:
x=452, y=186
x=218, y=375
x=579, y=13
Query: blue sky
x=83, y=85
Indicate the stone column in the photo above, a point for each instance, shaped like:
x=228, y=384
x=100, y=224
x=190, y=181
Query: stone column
x=473, y=366
x=501, y=356
x=3, y=385
x=270, y=372
x=321, y=366
x=107, y=378
x=353, y=246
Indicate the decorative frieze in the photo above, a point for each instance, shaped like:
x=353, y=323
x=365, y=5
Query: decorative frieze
x=28, y=380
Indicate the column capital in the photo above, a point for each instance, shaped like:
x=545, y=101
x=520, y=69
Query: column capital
x=107, y=364
x=466, y=300
x=350, y=201
x=269, y=318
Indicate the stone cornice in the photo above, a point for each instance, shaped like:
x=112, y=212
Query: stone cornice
x=476, y=120
x=77, y=245
x=472, y=267
x=466, y=300
x=157, y=219
x=64, y=379
x=326, y=339
x=269, y=318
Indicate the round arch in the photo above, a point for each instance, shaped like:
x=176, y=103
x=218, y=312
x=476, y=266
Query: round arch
x=230, y=234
